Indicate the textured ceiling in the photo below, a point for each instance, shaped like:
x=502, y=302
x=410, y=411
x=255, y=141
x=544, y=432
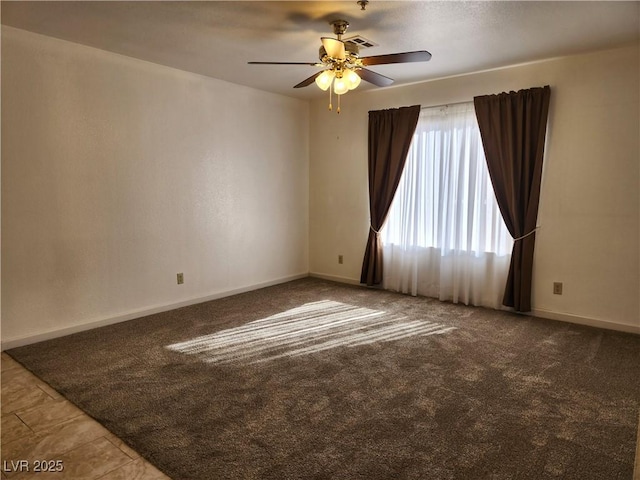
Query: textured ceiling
x=217, y=39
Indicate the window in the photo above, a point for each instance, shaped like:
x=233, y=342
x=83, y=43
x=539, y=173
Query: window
x=444, y=235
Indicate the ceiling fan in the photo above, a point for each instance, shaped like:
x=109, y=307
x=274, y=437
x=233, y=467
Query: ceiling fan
x=342, y=66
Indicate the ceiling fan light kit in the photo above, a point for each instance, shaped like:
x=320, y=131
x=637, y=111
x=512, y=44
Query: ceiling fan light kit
x=343, y=68
x=325, y=79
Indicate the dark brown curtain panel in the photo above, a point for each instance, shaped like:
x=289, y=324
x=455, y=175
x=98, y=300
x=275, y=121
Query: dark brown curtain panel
x=513, y=128
x=390, y=135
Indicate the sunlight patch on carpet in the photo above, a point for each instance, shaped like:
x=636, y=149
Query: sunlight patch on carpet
x=312, y=327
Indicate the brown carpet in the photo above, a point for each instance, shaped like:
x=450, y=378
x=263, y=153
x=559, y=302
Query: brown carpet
x=317, y=380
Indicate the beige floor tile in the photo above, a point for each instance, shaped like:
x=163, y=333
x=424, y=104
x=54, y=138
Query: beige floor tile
x=87, y=462
x=50, y=444
x=11, y=453
x=7, y=363
x=50, y=414
x=16, y=372
x=13, y=429
x=62, y=432
x=22, y=469
x=136, y=470
x=48, y=390
x=15, y=379
x=28, y=397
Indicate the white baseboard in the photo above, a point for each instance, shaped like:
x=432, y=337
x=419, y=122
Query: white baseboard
x=541, y=313
x=61, y=332
x=591, y=322
x=7, y=344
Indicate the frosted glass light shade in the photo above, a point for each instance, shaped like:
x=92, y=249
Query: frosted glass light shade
x=353, y=79
x=324, y=79
x=340, y=86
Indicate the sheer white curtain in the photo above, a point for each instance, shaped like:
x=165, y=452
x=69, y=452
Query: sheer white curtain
x=444, y=236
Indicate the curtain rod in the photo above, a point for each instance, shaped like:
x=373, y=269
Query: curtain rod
x=446, y=104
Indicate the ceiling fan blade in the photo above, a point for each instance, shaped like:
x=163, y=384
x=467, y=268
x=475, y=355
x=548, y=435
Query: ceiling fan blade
x=405, y=57
x=334, y=48
x=308, y=81
x=375, y=78
x=286, y=63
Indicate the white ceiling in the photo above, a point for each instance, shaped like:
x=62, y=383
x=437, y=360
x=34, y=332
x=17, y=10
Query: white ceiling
x=217, y=39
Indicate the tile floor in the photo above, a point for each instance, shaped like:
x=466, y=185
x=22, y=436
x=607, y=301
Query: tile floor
x=39, y=424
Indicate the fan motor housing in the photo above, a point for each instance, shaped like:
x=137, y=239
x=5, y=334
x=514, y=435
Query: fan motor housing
x=352, y=50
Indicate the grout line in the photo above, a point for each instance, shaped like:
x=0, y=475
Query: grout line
x=24, y=423
x=38, y=385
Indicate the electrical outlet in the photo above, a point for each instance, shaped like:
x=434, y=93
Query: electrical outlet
x=557, y=288
x=340, y=259
x=180, y=278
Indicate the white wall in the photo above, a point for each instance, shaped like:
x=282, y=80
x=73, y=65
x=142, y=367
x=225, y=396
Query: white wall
x=117, y=174
x=590, y=206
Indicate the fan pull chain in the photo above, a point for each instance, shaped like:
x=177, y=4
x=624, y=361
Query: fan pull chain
x=331, y=99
